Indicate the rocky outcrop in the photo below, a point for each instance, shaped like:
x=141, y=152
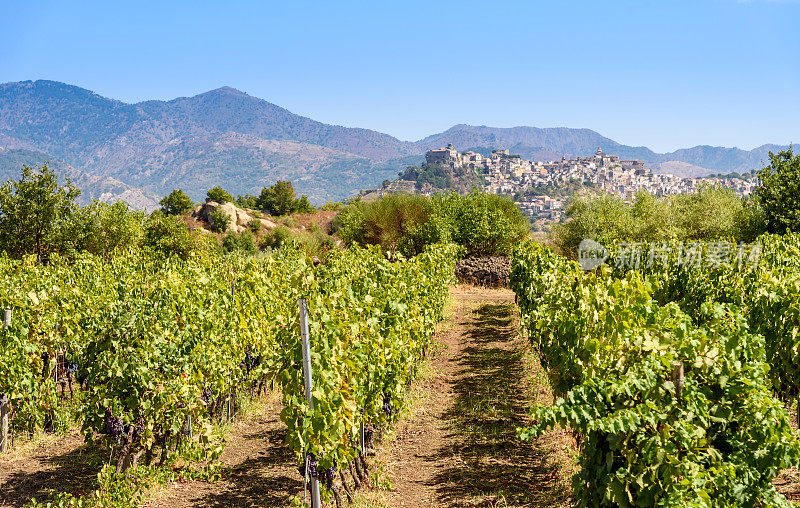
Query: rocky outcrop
x=239, y=219
x=487, y=271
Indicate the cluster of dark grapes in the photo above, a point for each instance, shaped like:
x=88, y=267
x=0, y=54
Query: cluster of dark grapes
x=369, y=434
x=250, y=361
x=388, y=408
x=72, y=367
x=113, y=425
x=45, y=357
x=311, y=460
x=326, y=476
x=138, y=429
x=206, y=396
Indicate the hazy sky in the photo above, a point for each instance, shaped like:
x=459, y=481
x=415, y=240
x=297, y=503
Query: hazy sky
x=666, y=74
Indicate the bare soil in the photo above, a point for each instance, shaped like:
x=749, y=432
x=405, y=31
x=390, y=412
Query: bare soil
x=259, y=469
x=461, y=449
x=50, y=464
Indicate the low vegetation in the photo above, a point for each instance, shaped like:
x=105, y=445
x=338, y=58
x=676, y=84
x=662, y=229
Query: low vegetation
x=483, y=224
x=711, y=213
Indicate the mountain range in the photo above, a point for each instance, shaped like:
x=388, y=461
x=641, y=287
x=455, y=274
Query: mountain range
x=139, y=152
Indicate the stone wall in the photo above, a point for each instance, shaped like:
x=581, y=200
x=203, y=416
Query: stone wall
x=488, y=271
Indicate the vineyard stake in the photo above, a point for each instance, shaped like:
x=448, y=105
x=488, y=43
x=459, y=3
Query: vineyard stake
x=303, y=308
x=3, y=399
x=361, y=439
x=3, y=423
x=677, y=378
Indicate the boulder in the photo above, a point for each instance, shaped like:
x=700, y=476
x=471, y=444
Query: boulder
x=242, y=218
x=268, y=224
x=206, y=208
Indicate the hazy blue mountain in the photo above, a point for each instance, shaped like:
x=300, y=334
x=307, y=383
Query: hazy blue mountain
x=243, y=143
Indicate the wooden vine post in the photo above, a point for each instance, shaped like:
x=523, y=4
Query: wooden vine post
x=677, y=379
x=4, y=410
x=3, y=423
x=303, y=308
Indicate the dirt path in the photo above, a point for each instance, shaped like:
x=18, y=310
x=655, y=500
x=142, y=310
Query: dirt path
x=52, y=463
x=461, y=448
x=259, y=469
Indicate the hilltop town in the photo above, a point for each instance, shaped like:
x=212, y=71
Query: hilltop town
x=540, y=188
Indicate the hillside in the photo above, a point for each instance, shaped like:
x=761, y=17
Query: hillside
x=226, y=137
x=92, y=186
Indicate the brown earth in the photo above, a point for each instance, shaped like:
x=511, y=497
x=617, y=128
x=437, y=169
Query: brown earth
x=460, y=448
x=259, y=469
x=50, y=463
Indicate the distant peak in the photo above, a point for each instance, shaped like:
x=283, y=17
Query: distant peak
x=227, y=90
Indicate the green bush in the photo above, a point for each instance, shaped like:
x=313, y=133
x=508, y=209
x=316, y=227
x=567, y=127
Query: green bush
x=220, y=220
x=244, y=243
x=711, y=213
x=254, y=225
x=247, y=201
x=219, y=195
x=277, y=238
x=279, y=199
x=331, y=206
x=398, y=223
x=176, y=203
x=103, y=228
x=484, y=224
x=779, y=192
x=168, y=236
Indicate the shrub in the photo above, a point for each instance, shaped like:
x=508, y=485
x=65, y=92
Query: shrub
x=244, y=243
x=103, y=228
x=220, y=220
x=168, y=236
x=711, y=213
x=254, y=225
x=219, y=195
x=397, y=222
x=176, y=203
x=247, y=201
x=331, y=206
x=277, y=238
x=279, y=200
x=779, y=192
x=485, y=224
x=289, y=222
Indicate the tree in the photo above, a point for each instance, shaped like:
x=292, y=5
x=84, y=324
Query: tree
x=168, y=236
x=219, y=195
x=280, y=200
x=103, y=228
x=176, y=203
x=32, y=210
x=247, y=201
x=302, y=205
x=778, y=193
x=277, y=200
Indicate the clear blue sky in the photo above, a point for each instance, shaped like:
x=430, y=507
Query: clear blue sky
x=666, y=74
